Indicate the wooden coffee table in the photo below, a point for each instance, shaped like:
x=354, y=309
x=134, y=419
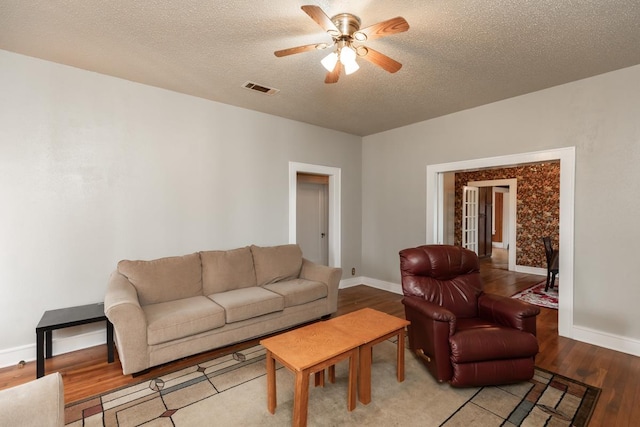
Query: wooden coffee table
x=311, y=349
x=305, y=351
x=372, y=327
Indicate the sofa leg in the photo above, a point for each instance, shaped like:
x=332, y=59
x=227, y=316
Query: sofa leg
x=137, y=374
x=325, y=317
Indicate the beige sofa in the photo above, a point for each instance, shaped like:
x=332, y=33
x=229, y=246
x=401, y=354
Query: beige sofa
x=38, y=403
x=169, y=308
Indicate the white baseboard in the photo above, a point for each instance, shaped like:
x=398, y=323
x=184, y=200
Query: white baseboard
x=13, y=356
x=396, y=288
x=607, y=340
x=531, y=270
x=348, y=283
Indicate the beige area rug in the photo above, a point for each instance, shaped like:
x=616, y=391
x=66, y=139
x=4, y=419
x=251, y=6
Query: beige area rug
x=231, y=391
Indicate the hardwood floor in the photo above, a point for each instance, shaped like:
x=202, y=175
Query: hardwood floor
x=86, y=372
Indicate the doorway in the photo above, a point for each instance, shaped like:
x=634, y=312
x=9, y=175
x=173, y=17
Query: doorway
x=509, y=188
x=312, y=216
x=510, y=199
x=435, y=215
x=333, y=235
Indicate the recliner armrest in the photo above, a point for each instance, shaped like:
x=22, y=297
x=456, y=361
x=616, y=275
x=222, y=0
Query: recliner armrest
x=429, y=332
x=431, y=310
x=508, y=312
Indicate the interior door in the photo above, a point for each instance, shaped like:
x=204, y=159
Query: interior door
x=470, y=218
x=497, y=219
x=485, y=207
x=312, y=217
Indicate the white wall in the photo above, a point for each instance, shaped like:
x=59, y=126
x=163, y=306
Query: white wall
x=95, y=169
x=599, y=116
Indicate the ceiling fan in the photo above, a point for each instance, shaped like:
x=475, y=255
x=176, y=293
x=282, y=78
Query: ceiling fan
x=345, y=31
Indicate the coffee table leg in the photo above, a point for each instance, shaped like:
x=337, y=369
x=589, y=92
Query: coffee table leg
x=39, y=354
x=301, y=398
x=400, y=362
x=271, y=383
x=353, y=379
x=364, y=382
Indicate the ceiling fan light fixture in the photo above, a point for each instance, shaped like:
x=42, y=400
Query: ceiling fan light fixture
x=347, y=55
x=351, y=67
x=329, y=62
x=348, y=59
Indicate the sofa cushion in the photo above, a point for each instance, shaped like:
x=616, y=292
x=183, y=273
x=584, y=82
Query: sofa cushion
x=164, y=279
x=276, y=263
x=245, y=303
x=226, y=270
x=181, y=318
x=298, y=291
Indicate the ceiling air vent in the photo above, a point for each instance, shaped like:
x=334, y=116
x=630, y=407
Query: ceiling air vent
x=260, y=88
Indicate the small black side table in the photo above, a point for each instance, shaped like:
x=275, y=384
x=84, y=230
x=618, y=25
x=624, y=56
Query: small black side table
x=64, y=318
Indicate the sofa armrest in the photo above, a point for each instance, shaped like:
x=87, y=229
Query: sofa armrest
x=122, y=308
x=508, y=312
x=44, y=396
x=330, y=276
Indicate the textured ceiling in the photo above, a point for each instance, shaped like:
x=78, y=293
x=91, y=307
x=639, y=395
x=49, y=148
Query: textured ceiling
x=456, y=55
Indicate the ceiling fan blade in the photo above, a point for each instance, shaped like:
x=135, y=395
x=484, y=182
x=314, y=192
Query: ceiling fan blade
x=321, y=19
x=333, y=76
x=381, y=60
x=299, y=49
x=382, y=29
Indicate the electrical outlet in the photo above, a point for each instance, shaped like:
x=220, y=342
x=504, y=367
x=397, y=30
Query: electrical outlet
x=353, y=271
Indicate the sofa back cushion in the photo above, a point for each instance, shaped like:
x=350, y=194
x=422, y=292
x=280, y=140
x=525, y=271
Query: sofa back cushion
x=164, y=279
x=226, y=270
x=276, y=263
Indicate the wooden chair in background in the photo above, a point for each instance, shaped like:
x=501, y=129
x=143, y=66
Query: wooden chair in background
x=552, y=262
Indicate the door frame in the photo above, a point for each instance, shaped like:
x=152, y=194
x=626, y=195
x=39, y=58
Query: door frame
x=334, y=231
x=567, y=158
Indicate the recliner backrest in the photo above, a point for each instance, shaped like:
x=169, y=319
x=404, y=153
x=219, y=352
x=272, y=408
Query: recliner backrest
x=442, y=274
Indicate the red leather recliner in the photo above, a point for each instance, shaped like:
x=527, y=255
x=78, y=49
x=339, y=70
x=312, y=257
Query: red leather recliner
x=464, y=336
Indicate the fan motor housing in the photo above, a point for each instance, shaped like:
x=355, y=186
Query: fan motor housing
x=346, y=23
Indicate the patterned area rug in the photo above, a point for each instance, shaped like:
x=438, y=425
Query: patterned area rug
x=231, y=391
x=537, y=296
